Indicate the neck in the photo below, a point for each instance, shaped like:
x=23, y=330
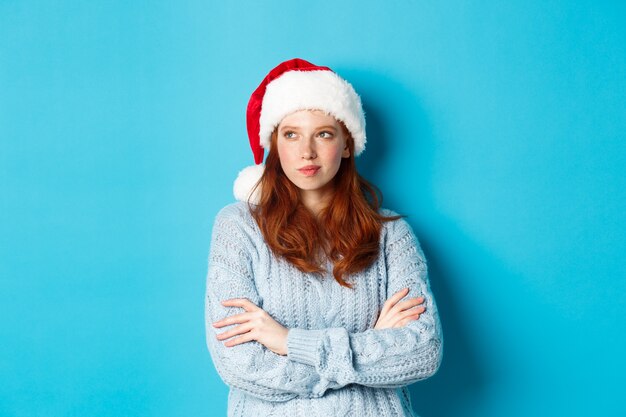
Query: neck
x=315, y=200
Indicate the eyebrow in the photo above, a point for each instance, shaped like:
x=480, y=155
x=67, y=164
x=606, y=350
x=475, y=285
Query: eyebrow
x=321, y=127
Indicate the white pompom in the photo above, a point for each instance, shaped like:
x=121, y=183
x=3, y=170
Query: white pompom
x=246, y=180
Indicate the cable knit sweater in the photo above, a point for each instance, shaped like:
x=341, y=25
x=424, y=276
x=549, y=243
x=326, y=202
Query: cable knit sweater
x=337, y=363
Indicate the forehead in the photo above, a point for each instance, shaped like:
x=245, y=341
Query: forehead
x=308, y=117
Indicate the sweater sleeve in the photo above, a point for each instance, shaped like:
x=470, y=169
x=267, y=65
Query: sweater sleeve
x=250, y=366
x=389, y=358
x=318, y=360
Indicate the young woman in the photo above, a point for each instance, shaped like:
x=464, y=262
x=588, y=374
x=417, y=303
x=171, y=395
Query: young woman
x=317, y=299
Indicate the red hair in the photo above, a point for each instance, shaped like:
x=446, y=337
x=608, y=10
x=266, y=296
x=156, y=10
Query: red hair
x=347, y=231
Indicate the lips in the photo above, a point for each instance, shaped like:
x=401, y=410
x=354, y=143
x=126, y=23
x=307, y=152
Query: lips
x=309, y=170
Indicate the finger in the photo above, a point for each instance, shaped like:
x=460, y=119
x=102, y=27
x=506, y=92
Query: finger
x=408, y=315
x=398, y=316
x=246, y=337
x=403, y=322
x=394, y=299
x=407, y=304
x=242, y=328
x=234, y=319
x=241, y=302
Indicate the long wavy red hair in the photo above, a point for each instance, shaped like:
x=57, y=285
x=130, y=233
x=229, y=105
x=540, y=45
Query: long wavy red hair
x=347, y=231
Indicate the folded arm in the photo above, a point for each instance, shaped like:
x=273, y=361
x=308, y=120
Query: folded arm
x=322, y=359
x=391, y=357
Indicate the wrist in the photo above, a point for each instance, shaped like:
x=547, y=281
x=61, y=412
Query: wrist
x=302, y=345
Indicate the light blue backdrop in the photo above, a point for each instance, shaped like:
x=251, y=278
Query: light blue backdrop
x=499, y=128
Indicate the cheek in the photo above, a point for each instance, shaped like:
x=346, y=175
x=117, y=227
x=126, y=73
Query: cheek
x=285, y=156
x=280, y=149
x=333, y=154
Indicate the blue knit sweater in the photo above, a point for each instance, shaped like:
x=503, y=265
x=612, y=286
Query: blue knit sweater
x=337, y=363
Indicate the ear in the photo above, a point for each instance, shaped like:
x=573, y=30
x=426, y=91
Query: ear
x=346, y=152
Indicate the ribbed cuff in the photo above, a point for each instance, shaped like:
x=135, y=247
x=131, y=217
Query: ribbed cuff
x=302, y=345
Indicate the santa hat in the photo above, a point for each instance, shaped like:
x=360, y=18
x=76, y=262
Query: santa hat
x=295, y=85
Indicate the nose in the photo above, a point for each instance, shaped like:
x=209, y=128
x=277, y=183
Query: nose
x=307, y=149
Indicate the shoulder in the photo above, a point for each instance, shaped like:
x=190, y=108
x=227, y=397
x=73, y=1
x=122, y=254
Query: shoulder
x=235, y=214
x=235, y=218
x=238, y=209
x=235, y=228
x=396, y=227
x=398, y=234
x=387, y=212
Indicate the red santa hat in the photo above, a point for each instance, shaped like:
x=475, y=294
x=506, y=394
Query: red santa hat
x=291, y=86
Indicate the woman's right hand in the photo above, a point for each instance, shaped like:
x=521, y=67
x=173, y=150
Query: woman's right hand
x=396, y=313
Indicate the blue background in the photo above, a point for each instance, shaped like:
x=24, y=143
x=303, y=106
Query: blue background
x=498, y=128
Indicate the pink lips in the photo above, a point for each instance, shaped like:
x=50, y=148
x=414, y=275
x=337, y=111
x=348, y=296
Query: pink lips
x=309, y=170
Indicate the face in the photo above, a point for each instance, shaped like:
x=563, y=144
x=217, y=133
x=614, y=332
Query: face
x=310, y=147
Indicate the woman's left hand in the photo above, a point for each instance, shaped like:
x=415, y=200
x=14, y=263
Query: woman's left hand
x=254, y=324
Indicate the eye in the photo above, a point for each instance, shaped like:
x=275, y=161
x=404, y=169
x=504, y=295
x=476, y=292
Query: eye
x=289, y=134
x=326, y=134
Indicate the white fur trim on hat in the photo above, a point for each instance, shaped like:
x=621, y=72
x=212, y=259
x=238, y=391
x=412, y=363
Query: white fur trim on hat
x=246, y=180
x=323, y=90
